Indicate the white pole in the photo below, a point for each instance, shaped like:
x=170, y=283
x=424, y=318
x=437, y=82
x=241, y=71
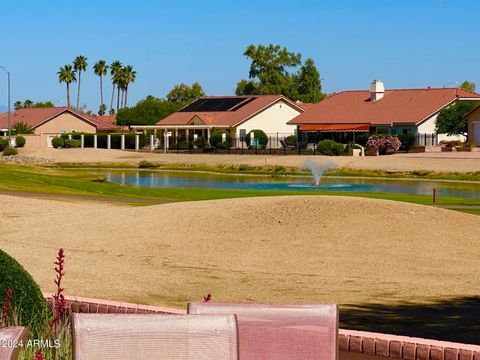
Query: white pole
x=151, y=142
x=82, y=141
x=123, y=142
x=109, y=141
x=137, y=142
x=95, y=141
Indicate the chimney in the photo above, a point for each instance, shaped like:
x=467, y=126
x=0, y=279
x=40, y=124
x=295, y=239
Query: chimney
x=377, y=90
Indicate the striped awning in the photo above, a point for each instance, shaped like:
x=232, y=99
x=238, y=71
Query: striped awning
x=334, y=127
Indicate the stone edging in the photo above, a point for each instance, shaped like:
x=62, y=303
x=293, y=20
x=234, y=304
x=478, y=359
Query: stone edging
x=363, y=342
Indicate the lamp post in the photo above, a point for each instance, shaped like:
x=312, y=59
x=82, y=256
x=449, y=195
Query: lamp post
x=8, y=80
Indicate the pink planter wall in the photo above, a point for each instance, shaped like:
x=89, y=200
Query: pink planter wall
x=352, y=345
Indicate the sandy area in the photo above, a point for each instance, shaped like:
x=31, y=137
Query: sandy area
x=278, y=249
x=464, y=162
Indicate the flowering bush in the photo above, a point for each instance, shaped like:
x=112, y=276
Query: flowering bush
x=385, y=144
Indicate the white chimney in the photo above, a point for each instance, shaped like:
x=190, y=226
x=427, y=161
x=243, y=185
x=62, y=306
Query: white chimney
x=377, y=90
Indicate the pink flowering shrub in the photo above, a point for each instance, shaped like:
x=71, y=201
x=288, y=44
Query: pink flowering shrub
x=385, y=144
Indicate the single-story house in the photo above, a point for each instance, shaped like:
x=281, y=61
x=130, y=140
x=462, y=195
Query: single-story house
x=49, y=122
x=236, y=115
x=400, y=111
x=473, y=119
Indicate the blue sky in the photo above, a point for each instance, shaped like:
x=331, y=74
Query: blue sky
x=407, y=43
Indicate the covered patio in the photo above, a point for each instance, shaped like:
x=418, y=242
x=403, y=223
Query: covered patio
x=343, y=133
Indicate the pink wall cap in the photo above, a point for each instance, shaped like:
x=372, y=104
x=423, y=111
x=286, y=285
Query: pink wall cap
x=388, y=337
x=119, y=304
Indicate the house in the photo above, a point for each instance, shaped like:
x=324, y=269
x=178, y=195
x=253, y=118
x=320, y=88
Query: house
x=473, y=120
x=400, y=111
x=49, y=122
x=236, y=115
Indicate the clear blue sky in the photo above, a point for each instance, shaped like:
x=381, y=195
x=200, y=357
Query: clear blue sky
x=405, y=43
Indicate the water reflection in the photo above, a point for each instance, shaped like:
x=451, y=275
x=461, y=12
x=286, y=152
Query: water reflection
x=156, y=179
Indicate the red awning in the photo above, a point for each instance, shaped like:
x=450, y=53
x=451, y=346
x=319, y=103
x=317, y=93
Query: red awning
x=335, y=127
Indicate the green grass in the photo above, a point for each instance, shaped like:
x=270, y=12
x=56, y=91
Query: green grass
x=469, y=211
x=65, y=182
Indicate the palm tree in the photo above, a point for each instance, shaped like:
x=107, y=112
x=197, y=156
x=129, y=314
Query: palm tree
x=17, y=105
x=79, y=64
x=130, y=76
x=28, y=103
x=66, y=74
x=114, y=69
x=100, y=68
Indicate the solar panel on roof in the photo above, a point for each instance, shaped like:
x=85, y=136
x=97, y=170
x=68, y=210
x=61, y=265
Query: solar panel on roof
x=213, y=104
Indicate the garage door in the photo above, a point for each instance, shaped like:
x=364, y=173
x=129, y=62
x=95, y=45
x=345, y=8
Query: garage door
x=476, y=133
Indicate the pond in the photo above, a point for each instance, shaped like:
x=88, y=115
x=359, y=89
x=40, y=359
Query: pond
x=182, y=179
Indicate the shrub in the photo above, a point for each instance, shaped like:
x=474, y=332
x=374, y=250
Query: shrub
x=258, y=134
x=9, y=151
x=330, y=147
x=20, y=141
x=72, y=143
x=291, y=140
x=200, y=142
x=362, y=138
x=58, y=142
x=407, y=141
x=3, y=144
x=27, y=301
x=146, y=165
x=385, y=144
x=216, y=140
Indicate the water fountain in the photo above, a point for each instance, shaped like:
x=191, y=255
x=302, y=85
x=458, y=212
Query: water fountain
x=317, y=170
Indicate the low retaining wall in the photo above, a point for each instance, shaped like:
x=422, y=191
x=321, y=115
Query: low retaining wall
x=352, y=344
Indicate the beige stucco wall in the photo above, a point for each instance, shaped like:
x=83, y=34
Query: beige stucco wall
x=65, y=123
x=272, y=120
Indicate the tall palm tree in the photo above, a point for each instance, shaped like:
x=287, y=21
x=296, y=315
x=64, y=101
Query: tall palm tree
x=79, y=64
x=18, y=105
x=114, y=69
x=66, y=74
x=100, y=68
x=130, y=76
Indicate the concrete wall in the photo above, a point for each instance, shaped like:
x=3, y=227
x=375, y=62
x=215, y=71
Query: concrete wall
x=33, y=140
x=272, y=120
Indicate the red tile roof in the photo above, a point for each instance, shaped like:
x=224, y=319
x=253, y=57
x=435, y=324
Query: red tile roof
x=410, y=106
x=36, y=116
x=228, y=118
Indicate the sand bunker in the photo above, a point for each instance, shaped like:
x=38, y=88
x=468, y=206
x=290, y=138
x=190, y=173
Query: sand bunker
x=279, y=249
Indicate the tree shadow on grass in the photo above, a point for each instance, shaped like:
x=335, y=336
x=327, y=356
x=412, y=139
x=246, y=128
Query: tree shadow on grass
x=456, y=319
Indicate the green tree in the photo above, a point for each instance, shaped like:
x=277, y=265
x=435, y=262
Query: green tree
x=27, y=103
x=148, y=111
x=102, y=109
x=308, y=82
x=184, y=94
x=247, y=87
x=18, y=105
x=100, y=69
x=468, y=85
x=269, y=67
x=271, y=72
x=115, y=68
x=22, y=127
x=79, y=64
x=451, y=120
x=128, y=76
x=66, y=74
x=43, y=104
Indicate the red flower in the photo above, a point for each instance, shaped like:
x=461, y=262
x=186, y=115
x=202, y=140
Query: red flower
x=38, y=356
